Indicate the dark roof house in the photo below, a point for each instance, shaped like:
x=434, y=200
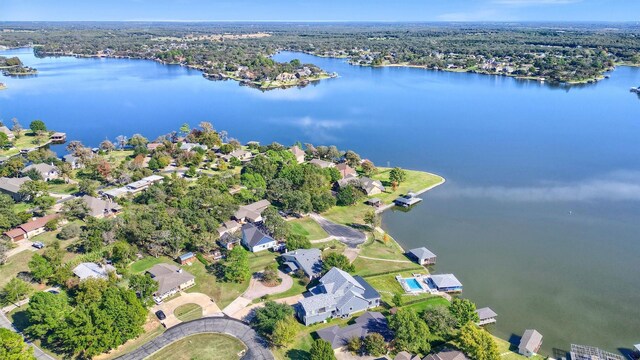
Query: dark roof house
x=254, y=239
x=447, y=355
x=11, y=186
x=423, y=256
x=307, y=260
x=369, y=322
x=171, y=279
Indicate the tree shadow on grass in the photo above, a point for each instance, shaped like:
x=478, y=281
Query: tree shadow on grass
x=297, y=354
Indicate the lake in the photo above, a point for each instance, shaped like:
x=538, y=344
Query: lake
x=540, y=215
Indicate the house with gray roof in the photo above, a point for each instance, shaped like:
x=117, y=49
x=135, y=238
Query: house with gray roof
x=192, y=146
x=99, y=208
x=229, y=227
x=251, y=212
x=89, y=270
x=255, y=239
x=368, y=185
x=239, y=154
x=447, y=355
x=367, y=323
x=422, y=256
x=171, y=279
x=338, y=294
x=47, y=172
x=445, y=283
x=486, y=316
x=11, y=186
x=530, y=343
x=403, y=355
x=298, y=153
x=73, y=161
x=307, y=260
x=322, y=163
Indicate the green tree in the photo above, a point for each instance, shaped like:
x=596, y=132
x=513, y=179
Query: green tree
x=32, y=189
x=440, y=321
x=37, y=126
x=297, y=241
x=88, y=186
x=75, y=209
x=352, y=158
x=397, y=300
x=337, y=260
x=411, y=332
x=40, y=268
x=464, y=311
x=143, y=285
x=266, y=317
x=321, y=350
x=69, y=232
x=284, y=331
x=355, y=344
x=4, y=140
x=368, y=168
x=46, y=314
x=477, y=343
x=297, y=202
x=397, y=175
x=236, y=266
x=13, y=347
x=15, y=290
x=374, y=344
x=275, y=224
x=372, y=219
x=348, y=195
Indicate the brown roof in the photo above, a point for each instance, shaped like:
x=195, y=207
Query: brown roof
x=13, y=233
x=38, y=223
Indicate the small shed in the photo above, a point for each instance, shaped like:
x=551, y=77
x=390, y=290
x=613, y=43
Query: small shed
x=187, y=259
x=486, y=316
x=375, y=202
x=530, y=343
x=423, y=256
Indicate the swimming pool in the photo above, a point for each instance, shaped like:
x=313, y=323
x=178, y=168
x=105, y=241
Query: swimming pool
x=413, y=284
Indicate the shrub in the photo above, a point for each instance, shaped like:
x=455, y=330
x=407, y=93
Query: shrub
x=69, y=232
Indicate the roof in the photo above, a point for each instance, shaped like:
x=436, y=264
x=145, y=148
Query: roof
x=582, y=352
x=531, y=340
x=422, y=253
x=38, y=223
x=228, y=226
x=345, y=169
x=486, y=313
x=369, y=291
x=447, y=355
x=6, y=130
x=88, y=270
x=13, y=233
x=70, y=158
x=335, y=289
x=402, y=355
x=637, y=347
x=116, y=192
x=99, y=207
x=253, y=236
x=187, y=256
x=12, y=185
x=373, y=201
x=42, y=168
x=321, y=163
x=146, y=181
x=169, y=277
x=369, y=322
x=297, y=151
x=445, y=281
x=310, y=260
x=252, y=210
x=189, y=146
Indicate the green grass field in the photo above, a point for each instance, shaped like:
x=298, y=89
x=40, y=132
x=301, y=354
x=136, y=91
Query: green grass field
x=509, y=351
x=188, y=312
x=14, y=265
x=202, y=346
x=309, y=228
x=377, y=248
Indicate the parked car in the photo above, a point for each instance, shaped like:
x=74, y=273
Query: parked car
x=38, y=245
x=160, y=314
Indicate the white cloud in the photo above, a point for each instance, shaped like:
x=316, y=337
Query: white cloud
x=617, y=186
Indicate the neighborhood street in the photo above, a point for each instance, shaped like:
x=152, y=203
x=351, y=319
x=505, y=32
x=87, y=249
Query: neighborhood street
x=349, y=236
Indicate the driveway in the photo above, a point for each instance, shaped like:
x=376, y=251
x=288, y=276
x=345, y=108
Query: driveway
x=256, y=346
x=349, y=236
x=209, y=307
x=247, y=313
x=22, y=245
x=257, y=289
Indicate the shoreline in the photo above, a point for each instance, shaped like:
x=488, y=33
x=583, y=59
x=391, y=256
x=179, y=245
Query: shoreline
x=392, y=205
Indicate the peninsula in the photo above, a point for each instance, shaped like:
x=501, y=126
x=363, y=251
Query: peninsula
x=14, y=67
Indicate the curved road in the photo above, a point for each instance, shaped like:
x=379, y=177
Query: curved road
x=39, y=354
x=256, y=346
x=349, y=236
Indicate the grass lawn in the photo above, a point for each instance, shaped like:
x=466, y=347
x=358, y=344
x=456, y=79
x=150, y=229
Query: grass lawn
x=14, y=265
x=377, y=248
x=416, y=181
x=21, y=206
x=188, y=312
x=202, y=346
x=299, y=348
x=63, y=188
x=387, y=285
x=117, y=156
x=309, y=228
x=26, y=141
x=368, y=267
x=152, y=329
x=330, y=246
x=298, y=288
x=428, y=303
x=510, y=351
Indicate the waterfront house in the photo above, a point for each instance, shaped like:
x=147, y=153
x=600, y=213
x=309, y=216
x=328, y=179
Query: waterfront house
x=239, y=154
x=530, y=343
x=11, y=187
x=367, y=323
x=298, y=154
x=582, y=352
x=73, y=161
x=369, y=186
x=151, y=147
x=307, y=260
x=89, y=270
x=99, y=208
x=251, y=212
x=337, y=295
x=422, y=256
x=187, y=259
x=346, y=170
x=171, y=279
x=143, y=183
x=445, y=283
x=47, y=171
x=229, y=227
x=486, y=316
x=6, y=130
x=447, y=355
x=254, y=239
x=321, y=163
x=192, y=146
x=58, y=137
x=30, y=229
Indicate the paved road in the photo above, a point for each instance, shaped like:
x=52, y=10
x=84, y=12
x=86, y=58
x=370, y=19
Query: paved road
x=39, y=354
x=209, y=307
x=256, y=346
x=349, y=236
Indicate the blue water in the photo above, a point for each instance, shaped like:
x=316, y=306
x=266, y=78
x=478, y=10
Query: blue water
x=413, y=284
x=539, y=215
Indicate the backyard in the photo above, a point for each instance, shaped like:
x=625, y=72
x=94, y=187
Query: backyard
x=202, y=346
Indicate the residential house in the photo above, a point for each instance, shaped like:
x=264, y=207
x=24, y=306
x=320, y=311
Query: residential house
x=486, y=316
x=251, y=212
x=192, y=146
x=47, y=171
x=321, y=163
x=187, y=259
x=369, y=186
x=447, y=355
x=89, y=270
x=239, y=154
x=338, y=294
x=298, y=153
x=11, y=186
x=445, y=283
x=151, y=147
x=73, y=161
x=30, y=229
x=143, y=183
x=171, y=279
x=99, y=208
x=369, y=322
x=229, y=240
x=8, y=132
x=530, y=343
x=307, y=260
x=58, y=137
x=582, y=352
x=254, y=239
x=346, y=170
x=229, y=227
x=422, y=256
x=403, y=355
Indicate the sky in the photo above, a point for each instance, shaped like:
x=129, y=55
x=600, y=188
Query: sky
x=320, y=10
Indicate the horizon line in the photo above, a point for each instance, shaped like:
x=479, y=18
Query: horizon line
x=331, y=21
